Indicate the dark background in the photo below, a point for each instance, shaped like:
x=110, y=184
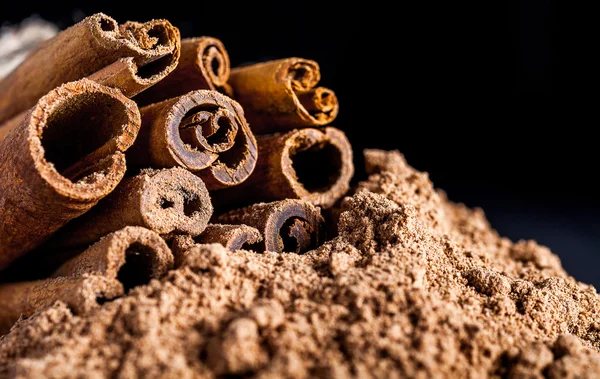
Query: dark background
x=496, y=101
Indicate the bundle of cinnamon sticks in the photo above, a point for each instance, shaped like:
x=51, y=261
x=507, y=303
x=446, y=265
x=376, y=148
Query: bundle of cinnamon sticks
x=123, y=146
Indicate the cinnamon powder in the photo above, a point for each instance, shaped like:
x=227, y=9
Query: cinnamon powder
x=413, y=286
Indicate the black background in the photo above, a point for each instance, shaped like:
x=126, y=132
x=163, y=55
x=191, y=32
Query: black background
x=496, y=101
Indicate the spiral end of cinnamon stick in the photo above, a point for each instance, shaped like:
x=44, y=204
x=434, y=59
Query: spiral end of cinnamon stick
x=212, y=60
x=234, y=166
x=206, y=133
x=293, y=226
x=286, y=226
x=77, y=134
x=133, y=255
x=316, y=106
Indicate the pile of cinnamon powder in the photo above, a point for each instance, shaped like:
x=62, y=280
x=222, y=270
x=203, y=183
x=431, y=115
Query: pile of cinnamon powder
x=413, y=286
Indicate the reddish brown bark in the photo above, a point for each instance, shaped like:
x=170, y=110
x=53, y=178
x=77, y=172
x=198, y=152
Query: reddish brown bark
x=65, y=155
x=83, y=49
x=203, y=64
x=280, y=95
x=309, y=164
x=202, y=131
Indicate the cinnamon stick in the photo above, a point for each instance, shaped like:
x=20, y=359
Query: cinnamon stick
x=287, y=225
x=133, y=255
x=203, y=64
x=121, y=74
x=83, y=49
x=281, y=95
x=309, y=164
x=164, y=201
x=202, y=131
x=81, y=294
x=65, y=155
x=232, y=237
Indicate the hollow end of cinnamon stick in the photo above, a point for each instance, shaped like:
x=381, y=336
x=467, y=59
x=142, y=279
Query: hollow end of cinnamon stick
x=286, y=226
x=282, y=95
x=81, y=294
x=203, y=64
x=202, y=131
x=176, y=201
x=76, y=136
x=315, y=165
x=64, y=156
x=132, y=255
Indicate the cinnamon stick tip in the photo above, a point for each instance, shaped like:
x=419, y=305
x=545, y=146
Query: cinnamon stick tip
x=96, y=120
x=176, y=201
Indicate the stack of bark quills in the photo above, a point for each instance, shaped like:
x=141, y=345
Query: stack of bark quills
x=303, y=165
x=112, y=136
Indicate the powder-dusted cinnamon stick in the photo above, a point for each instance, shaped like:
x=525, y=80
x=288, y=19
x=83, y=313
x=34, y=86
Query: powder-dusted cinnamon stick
x=133, y=255
x=309, y=164
x=164, y=201
x=281, y=94
x=233, y=237
x=202, y=131
x=81, y=294
x=287, y=225
x=65, y=155
x=203, y=64
x=81, y=50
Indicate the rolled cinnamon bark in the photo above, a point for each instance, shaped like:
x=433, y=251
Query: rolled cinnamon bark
x=281, y=95
x=203, y=64
x=202, y=131
x=164, y=201
x=65, y=155
x=81, y=294
x=85, y=48
x=132, y=255
x=287, y=225
x=232, y=237
x=308, y=164
x=121, y=74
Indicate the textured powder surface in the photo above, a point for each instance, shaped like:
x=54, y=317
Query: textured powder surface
x=413, y=286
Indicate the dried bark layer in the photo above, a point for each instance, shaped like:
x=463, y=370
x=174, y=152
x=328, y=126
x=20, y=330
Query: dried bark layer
x=232, y=237
x=287, y=225
x=133, y=255
x=84, y=48
x=202, y=131
x=164, y=201
x=121, y=74
x=81, y=294
x=281, y=95
x=65, y=155
x=308, y=164
x=203, y=64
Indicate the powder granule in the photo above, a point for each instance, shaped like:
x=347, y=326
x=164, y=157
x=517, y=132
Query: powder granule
x=413, y=286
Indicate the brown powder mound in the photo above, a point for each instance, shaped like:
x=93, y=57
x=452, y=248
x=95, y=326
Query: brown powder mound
x=413, y=286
